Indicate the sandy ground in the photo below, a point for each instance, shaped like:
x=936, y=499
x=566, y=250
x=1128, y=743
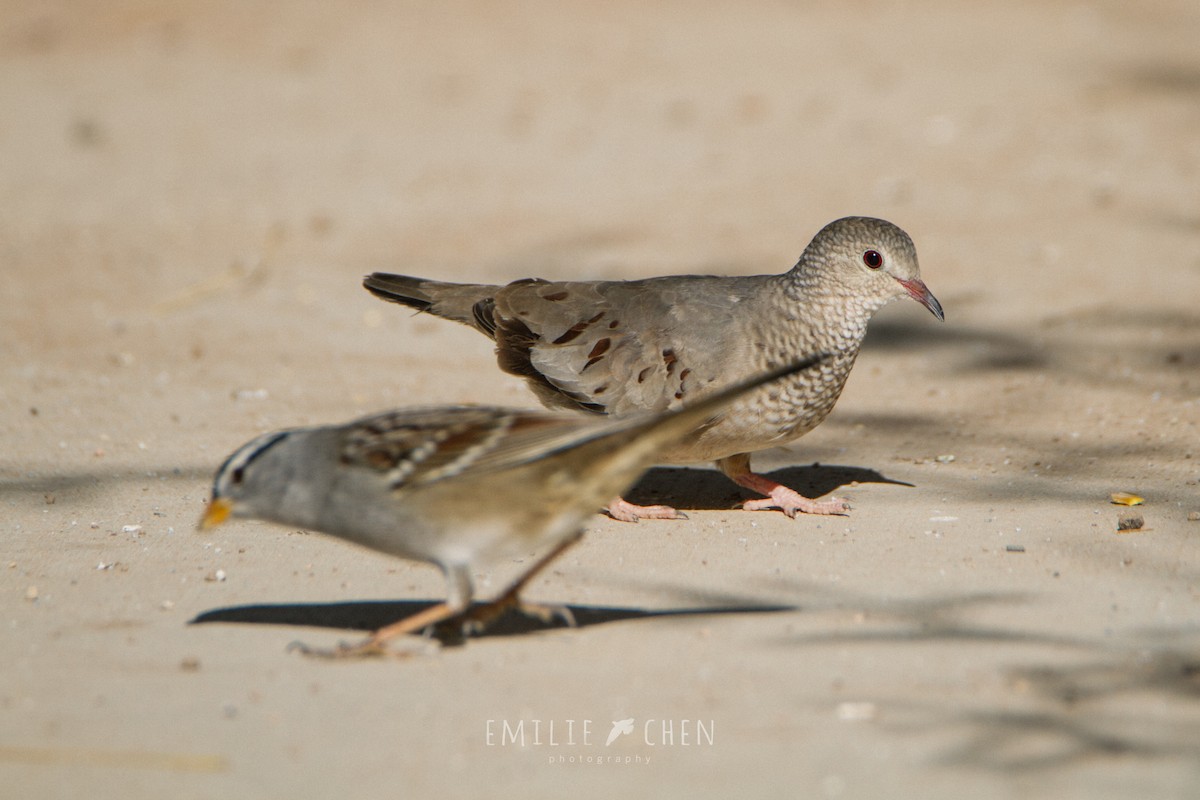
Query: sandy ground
x=189, y=196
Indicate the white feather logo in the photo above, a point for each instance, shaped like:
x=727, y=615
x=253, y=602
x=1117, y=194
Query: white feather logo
x=619, y=728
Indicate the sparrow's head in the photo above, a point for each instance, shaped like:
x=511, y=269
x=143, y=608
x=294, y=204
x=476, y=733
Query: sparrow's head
x=246, y=481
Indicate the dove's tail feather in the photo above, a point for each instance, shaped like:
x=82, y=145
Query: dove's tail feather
x=468, y=303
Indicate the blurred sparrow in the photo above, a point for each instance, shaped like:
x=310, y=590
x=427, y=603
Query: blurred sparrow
x=455, y=486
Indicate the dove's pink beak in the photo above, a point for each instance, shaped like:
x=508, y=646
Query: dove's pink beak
x=918, y=291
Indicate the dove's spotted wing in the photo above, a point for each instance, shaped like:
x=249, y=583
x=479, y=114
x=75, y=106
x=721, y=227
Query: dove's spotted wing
x=623, y=347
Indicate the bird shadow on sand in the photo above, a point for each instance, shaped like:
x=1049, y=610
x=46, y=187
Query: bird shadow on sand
x=709, y=490
x=369, y=615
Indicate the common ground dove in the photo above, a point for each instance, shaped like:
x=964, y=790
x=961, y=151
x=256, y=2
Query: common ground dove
x=407, y=483
x=624, y=347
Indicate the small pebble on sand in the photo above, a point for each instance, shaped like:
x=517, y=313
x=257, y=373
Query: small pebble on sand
x=1128, y=523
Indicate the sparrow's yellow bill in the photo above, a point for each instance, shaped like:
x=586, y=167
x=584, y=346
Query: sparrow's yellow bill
x=217, y=512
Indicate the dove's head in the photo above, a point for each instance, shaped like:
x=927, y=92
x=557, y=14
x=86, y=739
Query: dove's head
x=864, y=261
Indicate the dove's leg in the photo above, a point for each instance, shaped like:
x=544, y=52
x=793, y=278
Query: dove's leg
x=624, y=511
x=475, y=620
x=458, y=600
x=789, y=501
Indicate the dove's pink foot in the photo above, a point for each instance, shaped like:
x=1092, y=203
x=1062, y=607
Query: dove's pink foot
x=789, y=501
x=624, y=511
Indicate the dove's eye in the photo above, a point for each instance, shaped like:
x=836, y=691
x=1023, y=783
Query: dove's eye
x=873, y=259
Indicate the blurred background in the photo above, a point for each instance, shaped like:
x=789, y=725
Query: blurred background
x=196, y=186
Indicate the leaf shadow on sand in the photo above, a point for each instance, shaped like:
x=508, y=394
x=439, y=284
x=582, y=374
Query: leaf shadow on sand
x=85, y=486
x=1069, y=698
x=1129, y=704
